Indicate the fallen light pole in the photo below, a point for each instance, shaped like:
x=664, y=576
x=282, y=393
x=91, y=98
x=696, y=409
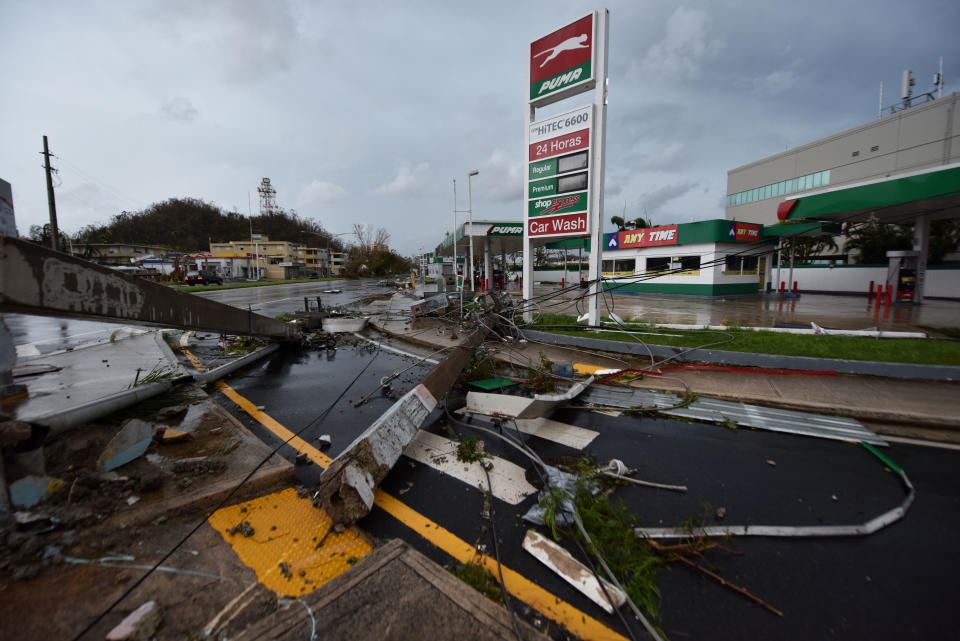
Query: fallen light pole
x=346, y=488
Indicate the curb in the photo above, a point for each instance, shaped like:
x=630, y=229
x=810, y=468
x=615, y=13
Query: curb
x=933, y=422
x=748, y=359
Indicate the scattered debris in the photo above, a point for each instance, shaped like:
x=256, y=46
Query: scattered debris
x=30, y=490
x=13, y=432
x=139, y=624
x=721, y=512
x=506, y=406
x=573, y=572
x=771, y=462
x=243, y=528
x=130, y=443
x=168, y=435
x=736, y=588
x=324, y=440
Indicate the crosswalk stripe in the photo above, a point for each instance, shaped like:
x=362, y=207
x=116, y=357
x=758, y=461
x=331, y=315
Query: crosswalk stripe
x=440, y=453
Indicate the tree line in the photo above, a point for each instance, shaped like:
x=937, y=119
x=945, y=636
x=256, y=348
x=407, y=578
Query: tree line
x=189, y=225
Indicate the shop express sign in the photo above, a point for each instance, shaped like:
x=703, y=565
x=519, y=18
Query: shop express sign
x=561, y=63
x=558, y=168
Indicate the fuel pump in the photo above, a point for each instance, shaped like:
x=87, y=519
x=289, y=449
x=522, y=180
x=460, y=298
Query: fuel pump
x=902, y=274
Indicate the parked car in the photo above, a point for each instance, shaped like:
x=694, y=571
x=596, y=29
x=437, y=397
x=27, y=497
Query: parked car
x=202, y=277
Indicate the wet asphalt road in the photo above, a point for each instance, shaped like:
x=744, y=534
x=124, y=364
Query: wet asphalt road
x=896, y=584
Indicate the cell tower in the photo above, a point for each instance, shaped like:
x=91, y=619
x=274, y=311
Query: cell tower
x=268, y=198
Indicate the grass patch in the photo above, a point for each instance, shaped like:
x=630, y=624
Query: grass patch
x=927, y=351
x=478, y=579
x=190, y=289
x=470, y=450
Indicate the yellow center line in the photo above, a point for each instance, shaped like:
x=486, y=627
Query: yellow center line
x=573, y=619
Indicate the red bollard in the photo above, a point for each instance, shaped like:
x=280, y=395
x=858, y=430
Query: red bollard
x=879, y=293
x=889, y=294
x=870, y=291
x=794, y=287
x=563, y=283
x=783, y=287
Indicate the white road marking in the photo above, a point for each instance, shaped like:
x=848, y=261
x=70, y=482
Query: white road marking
x=440, y=453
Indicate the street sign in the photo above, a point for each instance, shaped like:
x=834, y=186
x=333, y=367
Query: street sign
x=566, y=225
x=558, y=175
x=561, y=63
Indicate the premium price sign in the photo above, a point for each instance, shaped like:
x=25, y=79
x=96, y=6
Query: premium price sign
x=558, y=173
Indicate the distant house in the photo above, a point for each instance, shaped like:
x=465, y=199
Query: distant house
x=118, y=254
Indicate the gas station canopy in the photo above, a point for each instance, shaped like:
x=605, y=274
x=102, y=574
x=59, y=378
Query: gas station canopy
x=933, y=192
x=497, y=236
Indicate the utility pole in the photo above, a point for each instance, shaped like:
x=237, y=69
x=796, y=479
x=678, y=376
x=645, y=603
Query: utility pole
x=51, y=200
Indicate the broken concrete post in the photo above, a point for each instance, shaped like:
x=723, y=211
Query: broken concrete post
x=346, y=488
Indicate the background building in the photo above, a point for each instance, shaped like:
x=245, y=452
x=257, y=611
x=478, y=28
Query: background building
x=278, y=259
x=920, y=137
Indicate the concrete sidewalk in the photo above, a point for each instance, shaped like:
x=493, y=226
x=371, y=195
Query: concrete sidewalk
x=897, y=402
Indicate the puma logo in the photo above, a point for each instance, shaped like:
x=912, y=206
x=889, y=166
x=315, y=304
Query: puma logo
x=578, y=42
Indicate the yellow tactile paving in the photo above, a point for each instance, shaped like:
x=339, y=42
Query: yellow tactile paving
x=291, y=548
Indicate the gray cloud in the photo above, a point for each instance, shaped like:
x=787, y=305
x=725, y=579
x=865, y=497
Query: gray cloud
x=655, y=199
x=179, y=109
x=408, y=181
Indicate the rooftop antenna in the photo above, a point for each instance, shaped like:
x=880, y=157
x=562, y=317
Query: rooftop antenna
x=906, y=87
x=938, y=80
x=880, y=108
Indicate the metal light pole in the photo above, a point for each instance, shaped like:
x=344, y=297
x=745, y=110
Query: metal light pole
x=470, y=210
x=453, y=237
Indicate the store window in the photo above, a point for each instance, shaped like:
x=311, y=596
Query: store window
x=657, y=264
x=689, y=263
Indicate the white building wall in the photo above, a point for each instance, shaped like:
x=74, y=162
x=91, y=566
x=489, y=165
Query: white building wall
x=854, y=279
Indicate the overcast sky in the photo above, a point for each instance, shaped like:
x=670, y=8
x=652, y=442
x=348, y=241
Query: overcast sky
x=366, y=111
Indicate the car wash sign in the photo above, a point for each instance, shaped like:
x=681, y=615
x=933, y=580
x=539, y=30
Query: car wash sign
x=561, y=63
x=558, y=172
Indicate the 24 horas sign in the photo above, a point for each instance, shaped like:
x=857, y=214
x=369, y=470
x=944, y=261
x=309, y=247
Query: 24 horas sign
x=561, y=63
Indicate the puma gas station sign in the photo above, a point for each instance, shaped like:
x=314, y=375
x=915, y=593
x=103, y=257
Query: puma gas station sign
x=565, y=152
x=561, y=64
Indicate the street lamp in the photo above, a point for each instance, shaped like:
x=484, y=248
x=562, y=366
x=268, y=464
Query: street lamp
x=470, y=209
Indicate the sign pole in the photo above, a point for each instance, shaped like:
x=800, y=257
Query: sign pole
x=528, y=257
x=599, y=155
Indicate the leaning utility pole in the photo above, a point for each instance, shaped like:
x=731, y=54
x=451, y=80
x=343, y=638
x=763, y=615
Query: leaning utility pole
x=51, y=200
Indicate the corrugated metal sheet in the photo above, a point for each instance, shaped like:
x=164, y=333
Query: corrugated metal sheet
x=743, y=414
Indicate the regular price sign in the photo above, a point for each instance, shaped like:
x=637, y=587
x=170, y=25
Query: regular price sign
x=559, y=173
x=561, y=63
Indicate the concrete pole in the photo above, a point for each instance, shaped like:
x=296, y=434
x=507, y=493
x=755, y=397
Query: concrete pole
x=776, y=285
x=790, y=275
x=51, y=199
x=921, y=243
x=473, y=173
x=487, y=268
x=456, y=282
